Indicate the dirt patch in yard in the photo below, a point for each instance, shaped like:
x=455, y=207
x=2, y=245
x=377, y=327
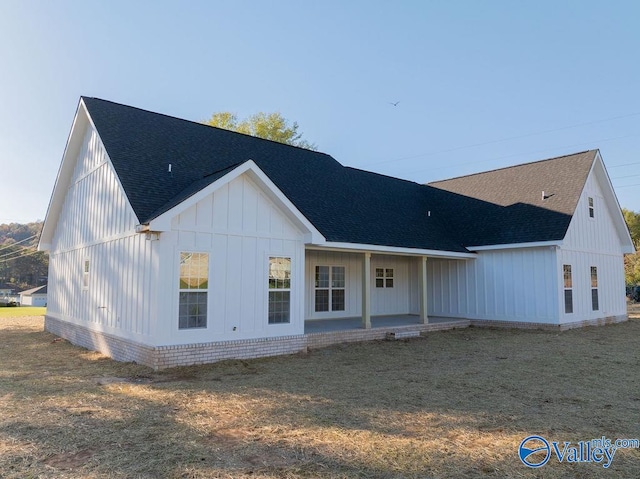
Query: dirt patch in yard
x=454, y=404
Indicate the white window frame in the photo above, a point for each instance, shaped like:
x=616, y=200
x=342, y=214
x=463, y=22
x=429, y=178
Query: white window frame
x=277, y=289
x=331, y=288
x=567, y=288
x=86, y=268
x=194, y=290
x=387, y=279
x=591, y=207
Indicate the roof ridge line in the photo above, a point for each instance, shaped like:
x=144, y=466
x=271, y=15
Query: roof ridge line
x=204, y=124
x=511, y=167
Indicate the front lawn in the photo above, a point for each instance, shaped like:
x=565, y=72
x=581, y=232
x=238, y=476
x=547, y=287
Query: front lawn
x=21, y=311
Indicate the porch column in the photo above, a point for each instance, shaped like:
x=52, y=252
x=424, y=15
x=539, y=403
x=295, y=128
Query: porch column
x=422, y=283
x=366, y=290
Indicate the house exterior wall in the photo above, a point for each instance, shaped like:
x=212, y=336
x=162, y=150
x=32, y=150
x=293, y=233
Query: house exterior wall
x=517, y=285
x=239, y=227
x=593, y=242
x=403, y=298
x=97, y=225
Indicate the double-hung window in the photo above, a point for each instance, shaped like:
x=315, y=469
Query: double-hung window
x=568, y=289
x=592, y=211
x=330, y=288
x=279, y=290
x=194, y=288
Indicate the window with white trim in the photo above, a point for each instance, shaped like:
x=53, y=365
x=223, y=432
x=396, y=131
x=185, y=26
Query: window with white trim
x=279, y=290
x=594, y=289
x=85, y=274
x=592, y=211
x=384, y=277
x=568, y=289
x=330, y=288
x=193, y=290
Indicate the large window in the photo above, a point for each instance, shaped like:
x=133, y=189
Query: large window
x=279, y=290
x=194, y=286
x=384, y=277
x=330, y=287
x=568, y=289
x=594, y=288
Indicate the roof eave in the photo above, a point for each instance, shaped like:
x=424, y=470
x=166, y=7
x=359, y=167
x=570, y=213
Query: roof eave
x=397, y=250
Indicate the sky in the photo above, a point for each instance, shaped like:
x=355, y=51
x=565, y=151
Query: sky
x=479, y=84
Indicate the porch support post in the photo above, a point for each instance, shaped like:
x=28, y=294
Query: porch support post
x=422, y=285
x=366, y=290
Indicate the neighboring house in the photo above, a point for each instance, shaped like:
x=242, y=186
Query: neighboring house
x=172, y=242
x=34, y=297
x=6, y=294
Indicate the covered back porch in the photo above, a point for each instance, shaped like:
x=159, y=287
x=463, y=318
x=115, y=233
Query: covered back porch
x=349, y=289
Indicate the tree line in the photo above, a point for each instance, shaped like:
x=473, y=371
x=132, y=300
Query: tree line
x=632, y=261
x=21, y=265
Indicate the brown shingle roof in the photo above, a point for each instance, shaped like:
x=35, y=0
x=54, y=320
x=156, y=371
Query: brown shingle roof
x=509, y=206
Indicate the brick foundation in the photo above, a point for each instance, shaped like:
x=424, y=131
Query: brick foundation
x=162, y=357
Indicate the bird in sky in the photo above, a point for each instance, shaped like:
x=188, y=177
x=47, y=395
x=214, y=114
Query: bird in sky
x=394, y=104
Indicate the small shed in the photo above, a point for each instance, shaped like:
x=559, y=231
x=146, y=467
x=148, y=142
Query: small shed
x=34, y=297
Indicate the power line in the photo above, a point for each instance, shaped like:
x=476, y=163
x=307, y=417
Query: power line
x=627, y=186
x=491, y=142
x=522, y=154
x=2, y=248
x=5, y=259
x=626, y=164
x=621, y=177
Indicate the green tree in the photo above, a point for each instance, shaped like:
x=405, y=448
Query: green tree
x=632, y=268
x=271, y=126
x=632, y=261
x=633, y=222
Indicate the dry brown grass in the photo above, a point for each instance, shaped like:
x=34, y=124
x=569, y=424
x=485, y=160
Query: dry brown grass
x=452, y=405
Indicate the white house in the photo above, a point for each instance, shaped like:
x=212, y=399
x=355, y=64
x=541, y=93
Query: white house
x=172, y=242
x=34, y=296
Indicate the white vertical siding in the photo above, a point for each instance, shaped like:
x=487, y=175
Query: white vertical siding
x=593, y=242
x=98, y=224
x=597, y=234
x=239, y=227
x=403, y=298
x=95, y=207
x=394, y=300
x=508, y=285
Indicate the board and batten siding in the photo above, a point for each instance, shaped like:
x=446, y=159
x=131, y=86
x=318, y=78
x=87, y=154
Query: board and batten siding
x=240, y=228
x=403, y=298
x=97, y=224
x=593, y=242
x=517, y=284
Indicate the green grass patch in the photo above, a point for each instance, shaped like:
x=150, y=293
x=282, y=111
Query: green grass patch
x=22, y=311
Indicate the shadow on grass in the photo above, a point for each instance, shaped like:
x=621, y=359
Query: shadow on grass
x=455, y=404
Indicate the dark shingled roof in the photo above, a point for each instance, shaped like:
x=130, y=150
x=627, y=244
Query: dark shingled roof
x=506, y=206
x=344, y=204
